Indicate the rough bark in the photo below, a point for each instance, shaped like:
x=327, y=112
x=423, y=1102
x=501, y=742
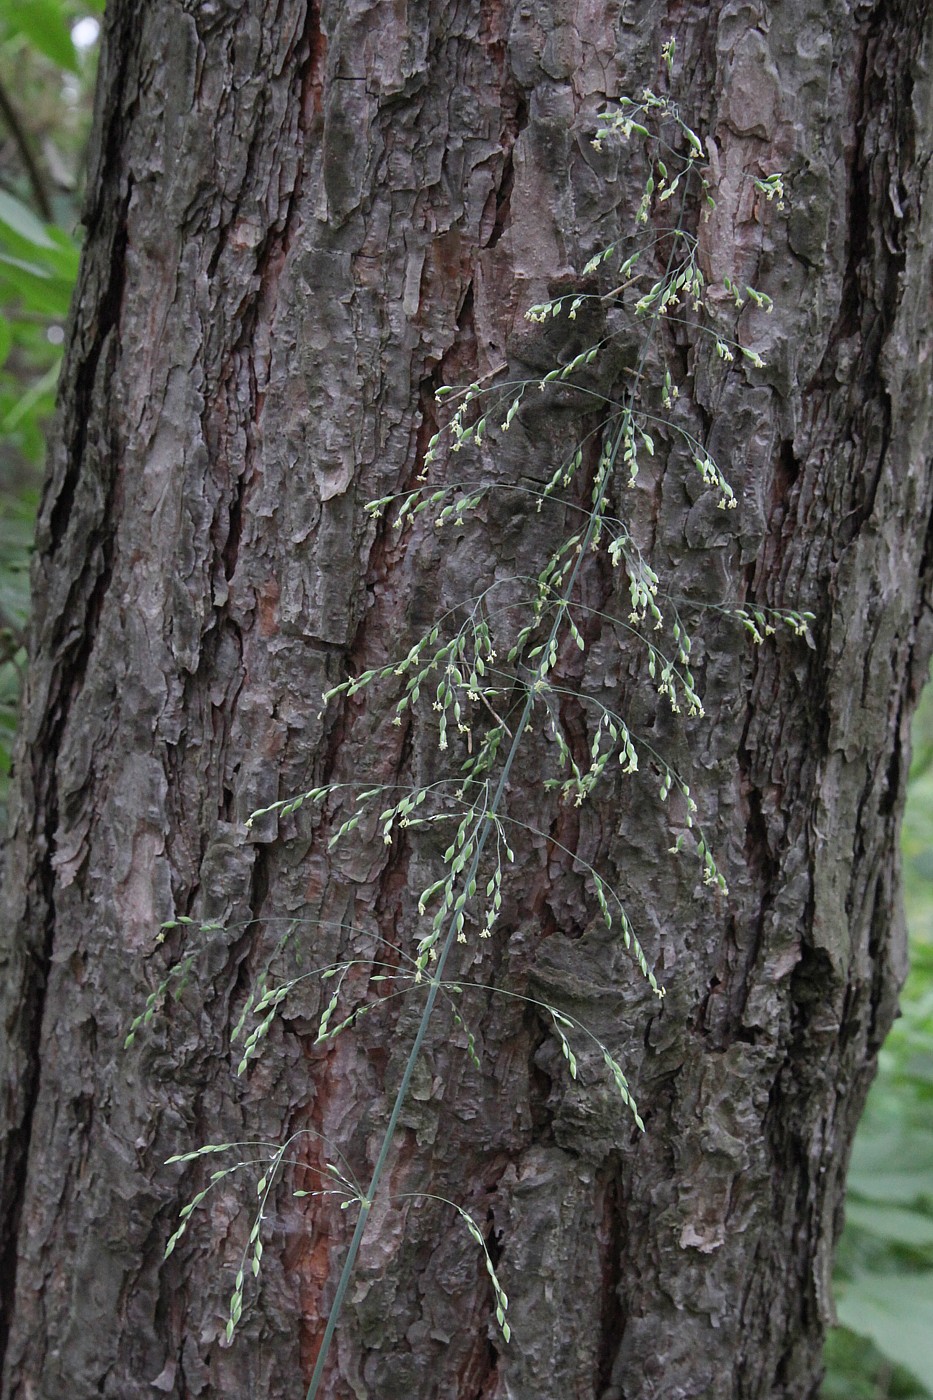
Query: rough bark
x=303, y=218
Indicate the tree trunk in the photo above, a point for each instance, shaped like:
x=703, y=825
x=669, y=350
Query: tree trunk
x=303, y=219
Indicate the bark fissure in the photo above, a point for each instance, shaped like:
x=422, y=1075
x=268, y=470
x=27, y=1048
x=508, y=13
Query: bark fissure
x=73, y=649
x=86, y=380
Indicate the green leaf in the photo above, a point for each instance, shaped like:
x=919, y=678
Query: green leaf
x=44, y=24
x=907, y=1227
x=39, y=289
x=28, y=401
x=19, y=217
x=894, y=1173
x=896, y=1312
x=21, y=265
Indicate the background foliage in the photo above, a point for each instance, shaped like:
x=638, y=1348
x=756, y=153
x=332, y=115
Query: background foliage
x=46, y=82
x=883, y=1349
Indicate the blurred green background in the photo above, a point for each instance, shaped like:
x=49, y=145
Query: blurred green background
x=883, y=1349
x=48, y=52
